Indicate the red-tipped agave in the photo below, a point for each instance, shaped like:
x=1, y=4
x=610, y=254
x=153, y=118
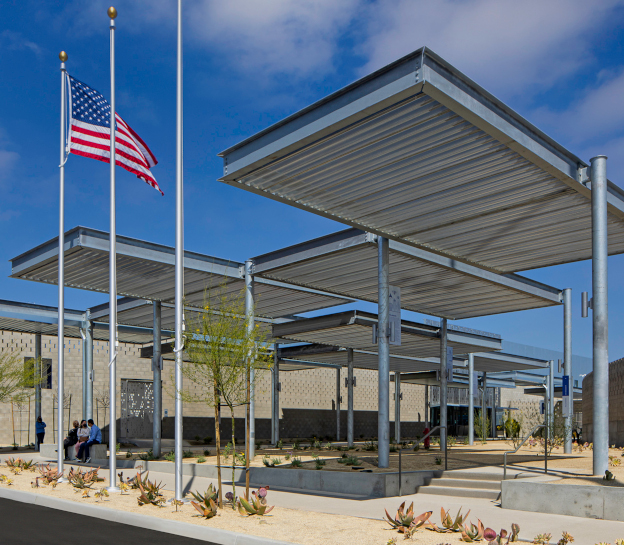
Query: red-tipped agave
x=448, y=524
x=404, y=521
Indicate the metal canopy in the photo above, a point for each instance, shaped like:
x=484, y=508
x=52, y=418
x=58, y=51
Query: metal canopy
x=147, y=271
x=345, y=263
x=30, y=318
x=495, y=362
x=354, y=329
x=418, y=152
x=140, y=312
x=362, y=359
x=431, y=378
x=558, y=391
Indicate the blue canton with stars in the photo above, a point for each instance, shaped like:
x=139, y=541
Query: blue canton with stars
x=88, y=105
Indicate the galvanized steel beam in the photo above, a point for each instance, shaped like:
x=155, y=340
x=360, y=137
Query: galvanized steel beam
x=383, y=403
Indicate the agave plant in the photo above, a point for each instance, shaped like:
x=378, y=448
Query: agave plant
x=474, y=533
x=405, y=521
x=253, y=507
x=211, y=495
x=448, y=523
x=77, y=480
x=101, y=494
x=206, y=509
x=150, y=493
x=50, y=475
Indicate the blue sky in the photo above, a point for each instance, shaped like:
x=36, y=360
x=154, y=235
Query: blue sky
x=248, y=64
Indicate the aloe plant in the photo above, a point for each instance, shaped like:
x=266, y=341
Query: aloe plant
x=405, y=520
x=474, y=533
x=257, y=505
x=150, y=493
x=206, y=509
x=448, y=523
x=50, y=475
x=211, y=495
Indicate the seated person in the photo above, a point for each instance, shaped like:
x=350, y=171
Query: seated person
x=83, y=435
x=71, y=439
x=95, y=438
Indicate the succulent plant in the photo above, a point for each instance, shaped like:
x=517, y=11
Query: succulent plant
x=405, y=520
x=474, y=533
x=254, y=507
x=448, y=523
x=207, y=510
x=101, y=494
x=50, y=475
x=542, y=539
x=150, y=493
x=211, y=494
x=229, y=496
x=262, y=493
x=608, y=476
x=567, y=538
x=515, y=532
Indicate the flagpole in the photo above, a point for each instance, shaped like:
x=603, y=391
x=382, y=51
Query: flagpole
x=113, y=343
x=61, y=274
x=179, y=269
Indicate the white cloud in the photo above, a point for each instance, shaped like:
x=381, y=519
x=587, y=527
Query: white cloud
x=16, y=41
x=511, y=48
x=280, y=36
x=597, y=113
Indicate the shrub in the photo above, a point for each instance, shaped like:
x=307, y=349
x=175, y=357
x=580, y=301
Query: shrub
x=319, y=463
x=207, y=440
x=197, y=438
x=295, y=462
x=206, y=452
x=201, y=460
x=280, y=444
x=296, y=445
x=349, y=460
x=187, y=454
x=170, y=456
x=128, y=454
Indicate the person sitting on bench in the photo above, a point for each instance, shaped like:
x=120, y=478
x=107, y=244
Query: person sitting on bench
x=71, y=439
x=95, y=438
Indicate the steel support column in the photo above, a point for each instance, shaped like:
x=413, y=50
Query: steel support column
x=484, y=411
x=89, y=368
x=471, y=389
x=37, y=372
x=249, y=313
x=157, y=384
x=397, y=407
x=275, y=397
x=85, y=373
x=350, y=397
x=567, y=366
x=383, y=403
x=600, y=315
x=426, y=406
x=443, y=386
x=551, y=400
x=337, y=403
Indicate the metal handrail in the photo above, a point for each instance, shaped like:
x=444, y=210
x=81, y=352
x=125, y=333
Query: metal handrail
x=417, y=443
x=537, y=427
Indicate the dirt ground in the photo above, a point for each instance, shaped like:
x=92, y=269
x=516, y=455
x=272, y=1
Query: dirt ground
x=281, y=524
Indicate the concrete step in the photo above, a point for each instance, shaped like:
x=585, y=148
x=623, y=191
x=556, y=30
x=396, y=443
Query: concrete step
x=473, y=475
x=459, y=492
x=467, y=483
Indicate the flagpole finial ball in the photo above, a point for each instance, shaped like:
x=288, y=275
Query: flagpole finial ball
x=63, y=56
x=112, y=12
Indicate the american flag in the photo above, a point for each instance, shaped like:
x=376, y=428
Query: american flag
x=89, y=134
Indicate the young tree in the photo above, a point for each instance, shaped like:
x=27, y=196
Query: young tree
x=222, y=351
x=17, y=377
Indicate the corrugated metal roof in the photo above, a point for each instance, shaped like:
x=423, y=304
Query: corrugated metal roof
x=140, y=313
x=30, y=318
x=353, y=329
x=419, y=153
x=147, y=271
x=346, y=263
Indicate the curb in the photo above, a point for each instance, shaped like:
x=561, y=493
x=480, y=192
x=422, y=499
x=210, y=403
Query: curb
x=213, y=535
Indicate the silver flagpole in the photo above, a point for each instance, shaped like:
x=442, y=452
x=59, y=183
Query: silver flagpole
x=112, y=326
x=179, y=269
x=61, y=273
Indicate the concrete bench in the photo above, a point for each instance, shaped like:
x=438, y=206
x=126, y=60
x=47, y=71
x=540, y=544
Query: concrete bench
x=97, y=452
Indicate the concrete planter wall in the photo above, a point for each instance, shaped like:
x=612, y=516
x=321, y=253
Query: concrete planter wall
x=375, y=485
x=602, y=502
